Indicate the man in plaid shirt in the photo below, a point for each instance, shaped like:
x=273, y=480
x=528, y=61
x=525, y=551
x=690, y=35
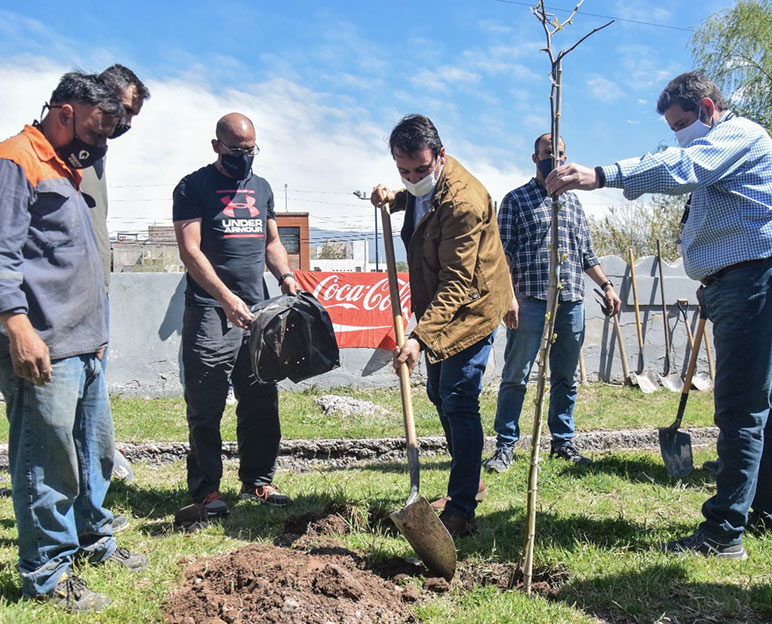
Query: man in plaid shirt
x=725, y=162
x=524, y=222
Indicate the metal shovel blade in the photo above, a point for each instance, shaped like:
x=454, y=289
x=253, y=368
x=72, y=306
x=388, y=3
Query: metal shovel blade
x=676, y=449
x=424, y=530
x=646, y=380
x=672, y=382
x=702, y=382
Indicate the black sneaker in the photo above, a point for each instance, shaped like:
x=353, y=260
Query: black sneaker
x=268, y=494
x=215, y=505
x=72, y=594
x=710, y=466
x=125, y=559
x=500, y=461
x=700, y=544
x=759, y=523
x=570, y=453
x=120, y=522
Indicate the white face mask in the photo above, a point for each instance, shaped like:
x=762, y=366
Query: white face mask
x=694, y=131
x=423, y=186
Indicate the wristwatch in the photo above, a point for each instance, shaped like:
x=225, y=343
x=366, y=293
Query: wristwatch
x=606, y=283
x=285, y=276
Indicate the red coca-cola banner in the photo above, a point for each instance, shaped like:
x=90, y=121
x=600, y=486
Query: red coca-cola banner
x=359, y=305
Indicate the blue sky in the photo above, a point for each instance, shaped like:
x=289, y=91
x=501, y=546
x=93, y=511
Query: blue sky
x=325, y=82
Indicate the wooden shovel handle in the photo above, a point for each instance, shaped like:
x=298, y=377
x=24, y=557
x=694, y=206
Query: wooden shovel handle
x=635, y=299
x=404, y=373
x=622, y=353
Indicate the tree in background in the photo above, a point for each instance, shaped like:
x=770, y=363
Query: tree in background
x=638, y=225
x=333, y=250
x=734, y=49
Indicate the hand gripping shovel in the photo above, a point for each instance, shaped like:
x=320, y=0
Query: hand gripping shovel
x=700, y=381
x=671, y=381
x=646, y=380
x=417, y=521
x=676, y=446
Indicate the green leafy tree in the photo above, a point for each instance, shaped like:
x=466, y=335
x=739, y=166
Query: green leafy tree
x=638, y=225
x=734, y=49
x=333, y=250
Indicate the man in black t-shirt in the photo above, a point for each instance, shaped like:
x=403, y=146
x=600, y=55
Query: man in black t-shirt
x=226, y=233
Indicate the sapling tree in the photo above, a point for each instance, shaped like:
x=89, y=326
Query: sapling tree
x=552, y=26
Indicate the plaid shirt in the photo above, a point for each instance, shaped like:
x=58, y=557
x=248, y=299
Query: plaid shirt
x=524, y=223
x=729, y=173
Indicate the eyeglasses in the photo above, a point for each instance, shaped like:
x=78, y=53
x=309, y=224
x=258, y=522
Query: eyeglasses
x=240, y=151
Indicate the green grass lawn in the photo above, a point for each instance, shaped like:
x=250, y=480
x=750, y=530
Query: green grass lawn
x=599, y=406
x=600, y=525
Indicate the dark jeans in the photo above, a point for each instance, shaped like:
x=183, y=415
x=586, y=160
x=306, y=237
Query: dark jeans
x=740, y=305
x=212, y=353
x=454, y=385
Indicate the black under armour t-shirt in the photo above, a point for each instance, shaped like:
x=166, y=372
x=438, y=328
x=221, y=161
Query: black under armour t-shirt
x=234, y=215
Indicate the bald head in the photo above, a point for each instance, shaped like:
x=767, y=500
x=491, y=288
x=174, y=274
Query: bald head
x=235, y=145
x=235, y=128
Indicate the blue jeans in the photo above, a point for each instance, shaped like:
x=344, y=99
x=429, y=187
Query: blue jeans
x=740, y=305
x=454, y=386
x=519, y=357
x=60, y=452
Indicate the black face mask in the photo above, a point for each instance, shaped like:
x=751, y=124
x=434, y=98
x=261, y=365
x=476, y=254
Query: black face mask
x=545, y=167
x=237, y=166
x=77, y=153
x=120, y=130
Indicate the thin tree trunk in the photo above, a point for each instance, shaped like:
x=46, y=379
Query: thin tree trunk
x=524, y=569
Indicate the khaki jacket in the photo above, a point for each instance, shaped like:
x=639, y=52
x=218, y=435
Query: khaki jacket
x=459, y=281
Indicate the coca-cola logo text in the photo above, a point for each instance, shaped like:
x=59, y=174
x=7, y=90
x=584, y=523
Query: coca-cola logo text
x=372, y=296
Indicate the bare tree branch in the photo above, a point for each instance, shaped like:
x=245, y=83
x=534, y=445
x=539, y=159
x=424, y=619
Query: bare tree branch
x=571, y=17
x=592, y=32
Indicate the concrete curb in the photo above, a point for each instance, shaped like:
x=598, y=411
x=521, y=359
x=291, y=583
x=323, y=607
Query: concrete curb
x=306, y=454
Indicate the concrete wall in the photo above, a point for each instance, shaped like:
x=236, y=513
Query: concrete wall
x=146, y=320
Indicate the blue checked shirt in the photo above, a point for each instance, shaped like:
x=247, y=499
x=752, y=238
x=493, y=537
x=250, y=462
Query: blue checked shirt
x=524, y=223
x=729, y=174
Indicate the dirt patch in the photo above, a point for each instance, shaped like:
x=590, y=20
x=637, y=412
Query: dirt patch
x=265, y=584
x=336, y=519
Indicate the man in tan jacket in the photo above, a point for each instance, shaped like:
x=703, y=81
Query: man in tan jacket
x=460, y=291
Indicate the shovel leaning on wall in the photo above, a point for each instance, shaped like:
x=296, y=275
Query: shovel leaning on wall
x=646, y=380
x=671, y=381
x=700, y=381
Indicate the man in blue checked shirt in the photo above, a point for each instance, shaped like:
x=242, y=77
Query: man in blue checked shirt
x=725, y=162
x=524, y=223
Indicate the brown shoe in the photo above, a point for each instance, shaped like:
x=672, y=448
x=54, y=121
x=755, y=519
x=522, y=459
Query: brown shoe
x=482, y=494
x=457, y=525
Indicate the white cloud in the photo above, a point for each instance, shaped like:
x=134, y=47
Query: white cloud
x=441, y=78
x=306, y=142
x=604, y=89
x=643, y=12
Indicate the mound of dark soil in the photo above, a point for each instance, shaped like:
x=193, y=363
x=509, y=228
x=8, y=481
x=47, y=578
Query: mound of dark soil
x=264, y=584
